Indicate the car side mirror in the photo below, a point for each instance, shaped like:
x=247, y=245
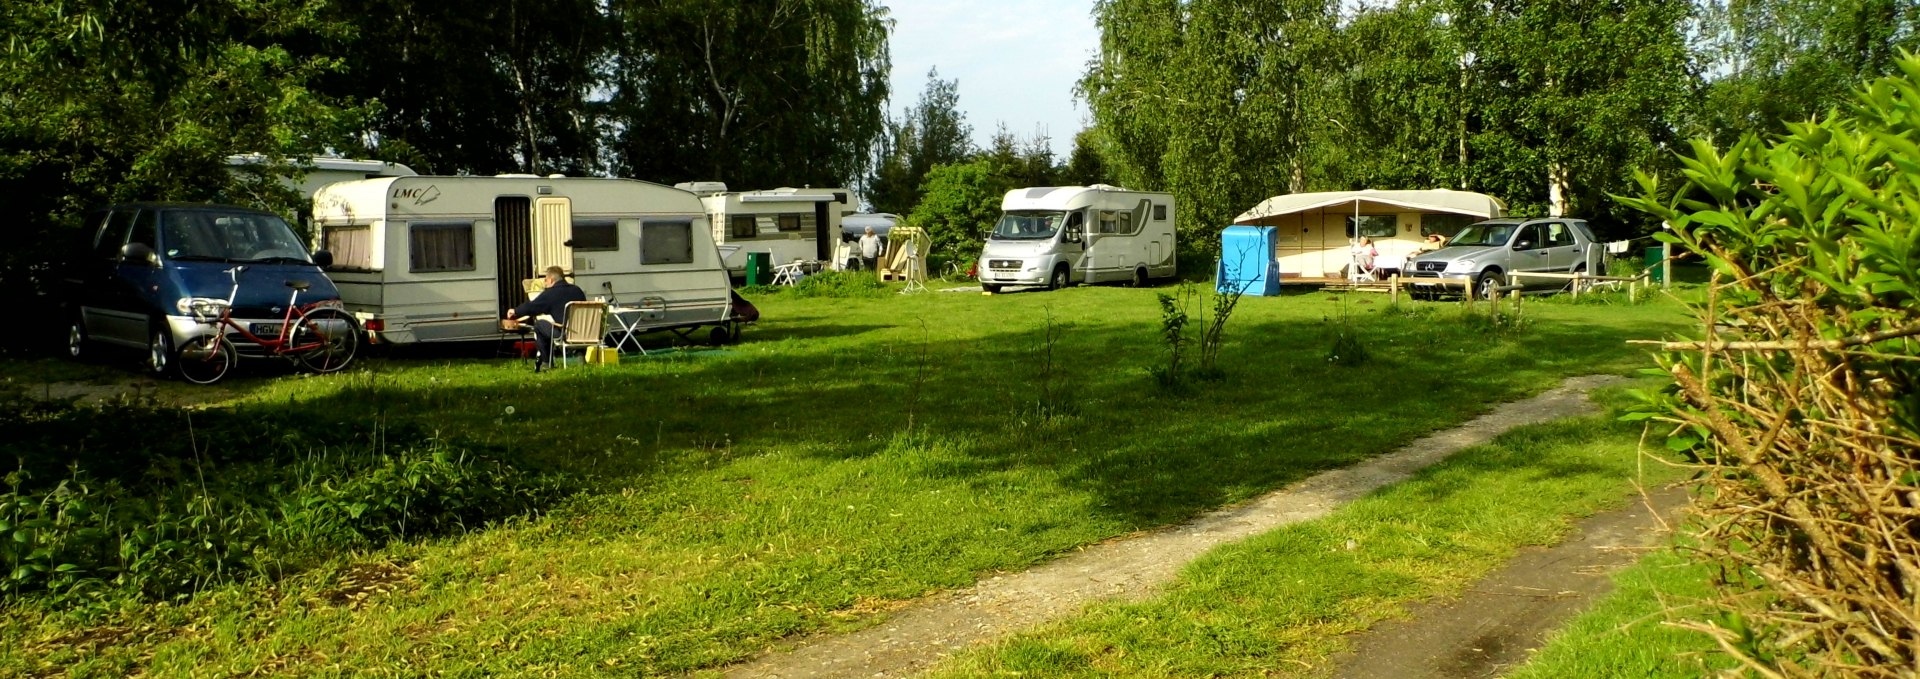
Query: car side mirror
x=139, y=253
x=322, y=258
x=1523, y=245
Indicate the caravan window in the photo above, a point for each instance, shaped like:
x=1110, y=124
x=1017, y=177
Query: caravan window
x=666, y=242
x=790, y=222
x=1445, y=225
x=352, y=247
x=596, y=236
x=744, y=226
x=1371, y=226
x=440, y=247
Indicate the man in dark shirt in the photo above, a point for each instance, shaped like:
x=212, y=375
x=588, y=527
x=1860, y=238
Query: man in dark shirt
x=552, y=303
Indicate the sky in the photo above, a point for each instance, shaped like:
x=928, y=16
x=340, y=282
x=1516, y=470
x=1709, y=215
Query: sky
x=1016, y=62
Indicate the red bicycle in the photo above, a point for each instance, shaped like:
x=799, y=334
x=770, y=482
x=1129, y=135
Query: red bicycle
x=321, y=337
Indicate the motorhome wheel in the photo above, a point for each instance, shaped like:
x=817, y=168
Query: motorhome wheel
x=989, y=287
x=1140, y=277
x=1061, y=278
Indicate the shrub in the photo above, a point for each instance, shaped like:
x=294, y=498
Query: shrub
x=1798, y=402
x=175, y=516
x=840, y=284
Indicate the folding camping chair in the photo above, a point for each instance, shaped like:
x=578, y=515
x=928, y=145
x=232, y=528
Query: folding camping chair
x=586, y=327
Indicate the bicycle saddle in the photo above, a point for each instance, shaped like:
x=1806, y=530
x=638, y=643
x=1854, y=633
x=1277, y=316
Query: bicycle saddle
x=299, y=285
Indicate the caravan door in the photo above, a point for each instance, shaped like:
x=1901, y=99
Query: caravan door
x=552, y=233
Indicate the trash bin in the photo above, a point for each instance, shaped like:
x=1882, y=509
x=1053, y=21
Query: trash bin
x=1654, y=259
x=759, y=268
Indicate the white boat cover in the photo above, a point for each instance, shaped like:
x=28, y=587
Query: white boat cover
x=1375, y=202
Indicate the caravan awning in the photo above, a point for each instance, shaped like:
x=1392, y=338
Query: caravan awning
x=1375, y=202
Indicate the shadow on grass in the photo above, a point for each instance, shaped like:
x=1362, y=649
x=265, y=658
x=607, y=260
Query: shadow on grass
x=1281, y=413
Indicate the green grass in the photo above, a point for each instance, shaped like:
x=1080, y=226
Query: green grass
x=1282, y=602
x=850, y=454
x=1627, y=635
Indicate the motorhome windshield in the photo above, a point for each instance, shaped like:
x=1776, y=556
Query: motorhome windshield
x=1484, y=233
x=1028, y=225
x=229, y=236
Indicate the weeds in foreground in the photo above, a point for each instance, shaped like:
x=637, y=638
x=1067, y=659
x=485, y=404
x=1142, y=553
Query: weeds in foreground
x=1173, y=331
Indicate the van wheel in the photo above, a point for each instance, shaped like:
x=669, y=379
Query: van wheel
x=1061, y=278
x=1484, y=286
x=77, y=339
x=1140, y=277
x=160, y=352
x=989, y=287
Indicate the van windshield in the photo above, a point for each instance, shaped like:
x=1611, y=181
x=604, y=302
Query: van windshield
x=228, y=236
x=1484, y=233
x=1028, y=225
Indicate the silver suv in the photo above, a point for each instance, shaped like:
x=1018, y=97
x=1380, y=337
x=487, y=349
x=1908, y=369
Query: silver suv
x=1488, y=252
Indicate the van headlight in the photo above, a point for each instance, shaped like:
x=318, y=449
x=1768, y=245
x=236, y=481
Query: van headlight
x=201, y=308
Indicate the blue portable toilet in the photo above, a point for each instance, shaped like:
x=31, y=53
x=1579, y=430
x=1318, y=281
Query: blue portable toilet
x=1246, y=261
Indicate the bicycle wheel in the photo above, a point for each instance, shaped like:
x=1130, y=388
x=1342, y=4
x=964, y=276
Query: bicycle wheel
x=324, y=340
x=205, y=359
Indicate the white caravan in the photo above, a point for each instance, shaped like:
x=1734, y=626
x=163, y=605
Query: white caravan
x=431, y=259
x=1060, y=235
x=785, y=223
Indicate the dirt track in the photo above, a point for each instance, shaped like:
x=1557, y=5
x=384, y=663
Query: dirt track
x=1129, y=569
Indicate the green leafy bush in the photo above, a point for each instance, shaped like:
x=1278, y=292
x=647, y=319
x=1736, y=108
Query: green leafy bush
x=173, y=517
x=1800, y=401
x=840, y=284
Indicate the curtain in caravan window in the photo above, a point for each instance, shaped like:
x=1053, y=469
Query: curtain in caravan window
x=352, y=247
x=666, y=242
x=440, y=247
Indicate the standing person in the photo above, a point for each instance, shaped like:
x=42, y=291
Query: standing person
x=870, y=250
x=550, y=307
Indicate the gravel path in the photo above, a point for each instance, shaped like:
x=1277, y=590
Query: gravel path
x=1130, y=569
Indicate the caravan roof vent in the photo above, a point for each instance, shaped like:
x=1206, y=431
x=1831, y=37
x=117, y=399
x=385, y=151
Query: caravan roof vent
x=702, y=187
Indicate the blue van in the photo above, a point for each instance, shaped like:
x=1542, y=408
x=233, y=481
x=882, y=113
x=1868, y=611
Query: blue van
x=150, y=263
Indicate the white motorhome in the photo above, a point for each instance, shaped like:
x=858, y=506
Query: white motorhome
x=430, y=259
x=1060, y=235
x=785, y=223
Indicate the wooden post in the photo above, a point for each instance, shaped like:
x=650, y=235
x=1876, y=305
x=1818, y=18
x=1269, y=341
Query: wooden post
x=1393, y=287
x=1666, y=265
x=1577, y=275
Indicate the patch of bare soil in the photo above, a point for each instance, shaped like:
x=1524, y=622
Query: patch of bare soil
x=1498, y=624
x=1132, y=568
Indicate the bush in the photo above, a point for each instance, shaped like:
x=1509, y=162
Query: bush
x=1799, y=401
x=176, y=516
x=840, y=284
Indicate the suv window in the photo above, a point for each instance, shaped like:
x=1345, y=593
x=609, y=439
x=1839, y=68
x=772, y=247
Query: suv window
x=1558, y=236
x=144, y=229
x=1529, y=234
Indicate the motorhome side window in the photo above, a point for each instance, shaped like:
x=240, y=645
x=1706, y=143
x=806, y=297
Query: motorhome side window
x=1159, y=213
x=440, y=247
x=789, y=222
x=744, y=226
x=666, y=242
x=596, y=236
x=1370, y=226
x=351, y=245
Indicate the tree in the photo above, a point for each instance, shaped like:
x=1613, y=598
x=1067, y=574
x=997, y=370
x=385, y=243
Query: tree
x=932, y=133
x=104, y=102
x=1781, y=61
x=757, y=94
x=961, y=203
x=1085, y=164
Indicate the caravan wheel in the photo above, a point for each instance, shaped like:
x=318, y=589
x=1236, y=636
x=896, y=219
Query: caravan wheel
x=719, y=336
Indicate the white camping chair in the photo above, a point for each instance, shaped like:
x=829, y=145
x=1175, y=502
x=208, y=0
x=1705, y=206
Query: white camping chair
x=586, y=327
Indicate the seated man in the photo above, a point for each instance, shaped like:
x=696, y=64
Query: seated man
x=551, y=307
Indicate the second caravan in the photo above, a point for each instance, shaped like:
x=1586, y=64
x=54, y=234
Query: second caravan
x=431, y=259
x=786, y=223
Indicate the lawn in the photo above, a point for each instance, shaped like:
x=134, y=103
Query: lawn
x=848, y=455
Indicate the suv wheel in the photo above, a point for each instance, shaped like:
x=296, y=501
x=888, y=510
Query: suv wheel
x=160, y=352
x=1484, y=286
x=77, y=339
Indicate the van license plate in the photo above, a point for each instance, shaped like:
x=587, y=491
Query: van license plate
x=266, y=330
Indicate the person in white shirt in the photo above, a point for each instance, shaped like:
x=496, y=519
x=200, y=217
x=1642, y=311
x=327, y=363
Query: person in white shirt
x=870, y=250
